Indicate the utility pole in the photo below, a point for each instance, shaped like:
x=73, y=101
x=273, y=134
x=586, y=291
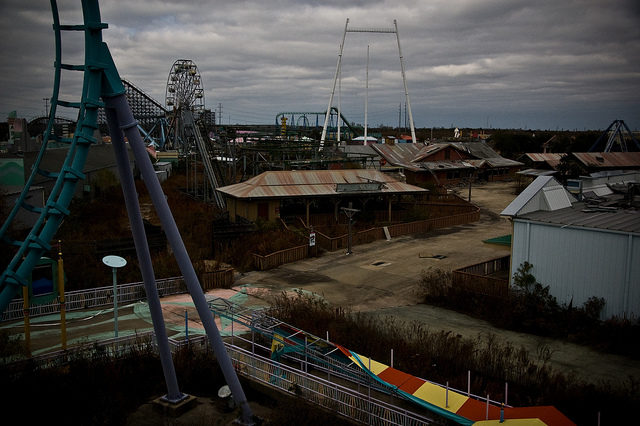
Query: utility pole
x=349, y=211
x=46, y=106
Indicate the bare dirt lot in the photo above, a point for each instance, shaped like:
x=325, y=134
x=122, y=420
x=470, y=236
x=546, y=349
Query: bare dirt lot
x=382, y=278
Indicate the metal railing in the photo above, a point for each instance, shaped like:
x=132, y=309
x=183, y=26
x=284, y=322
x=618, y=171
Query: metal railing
x=345, y=401
x=95, y=297
x=359, y=406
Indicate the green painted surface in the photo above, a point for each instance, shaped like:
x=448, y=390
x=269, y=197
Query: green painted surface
x=504, y=240
x=11, y=172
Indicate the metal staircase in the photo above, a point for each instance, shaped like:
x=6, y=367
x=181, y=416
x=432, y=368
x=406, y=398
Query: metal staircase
x=189, y=123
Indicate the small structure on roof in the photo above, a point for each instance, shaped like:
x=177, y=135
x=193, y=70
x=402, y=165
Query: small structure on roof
x=263, y=196
x=361, y=141
x=544, y=193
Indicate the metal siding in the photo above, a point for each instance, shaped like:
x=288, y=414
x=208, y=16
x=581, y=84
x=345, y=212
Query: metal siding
x=556, y=198
x=519, y=243
x=634, y=279
x=577, y=264
x=535, y=203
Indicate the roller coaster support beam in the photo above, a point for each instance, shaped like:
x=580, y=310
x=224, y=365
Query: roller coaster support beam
x=142, y=250
x=127, y=123
x=404, y=81
x=333, y=90
x=393, y=30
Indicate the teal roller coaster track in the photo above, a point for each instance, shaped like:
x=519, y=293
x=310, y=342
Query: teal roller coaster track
x=102, y=87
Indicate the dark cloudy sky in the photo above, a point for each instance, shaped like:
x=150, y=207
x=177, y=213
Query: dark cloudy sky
x=544, y=64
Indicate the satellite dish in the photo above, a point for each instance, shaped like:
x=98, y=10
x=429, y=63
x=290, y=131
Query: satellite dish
x=224, y=392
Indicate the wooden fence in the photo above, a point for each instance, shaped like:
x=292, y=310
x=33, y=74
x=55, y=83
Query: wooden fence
x=451, y=205
x=262, y=263
x=420, y=226
x=470, y=214
x=478, y=278
x=222, y=278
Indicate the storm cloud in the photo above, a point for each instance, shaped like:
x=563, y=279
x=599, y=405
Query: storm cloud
x=495, y=63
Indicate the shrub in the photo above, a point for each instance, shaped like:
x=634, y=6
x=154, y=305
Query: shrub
x=531, y=308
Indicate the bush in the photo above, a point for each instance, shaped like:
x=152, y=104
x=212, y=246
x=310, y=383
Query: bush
x=531, y=308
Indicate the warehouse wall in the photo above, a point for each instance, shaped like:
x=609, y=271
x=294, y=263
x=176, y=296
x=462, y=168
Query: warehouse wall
x=578, y=263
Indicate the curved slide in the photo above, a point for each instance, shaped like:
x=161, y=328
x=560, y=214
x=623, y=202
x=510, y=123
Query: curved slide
x=451, y=405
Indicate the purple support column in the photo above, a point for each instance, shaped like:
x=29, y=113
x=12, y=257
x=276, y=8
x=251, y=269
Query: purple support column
x=142, y=250
x=129, y=125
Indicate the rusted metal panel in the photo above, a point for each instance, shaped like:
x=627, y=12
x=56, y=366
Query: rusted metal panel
x=609, y=159
x=552, y=159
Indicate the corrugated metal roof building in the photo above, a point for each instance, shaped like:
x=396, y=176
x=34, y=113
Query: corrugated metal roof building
x=580, y=251
x=543, y=160
x=609, y=160
x=261, y=196
x=447, y=163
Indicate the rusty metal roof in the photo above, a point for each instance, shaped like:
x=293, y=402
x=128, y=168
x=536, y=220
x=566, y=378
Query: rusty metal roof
x=552, y=159
x=400, y=155
x=314, y=183
x=413, y=156
x=609, y=159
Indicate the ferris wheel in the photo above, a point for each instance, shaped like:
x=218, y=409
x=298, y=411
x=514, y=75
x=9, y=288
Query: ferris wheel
x=184, y=87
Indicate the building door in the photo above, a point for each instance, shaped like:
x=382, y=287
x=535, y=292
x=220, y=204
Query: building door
x=263, y=211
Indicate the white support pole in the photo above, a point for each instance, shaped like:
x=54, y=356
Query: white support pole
x=446, y=400
x=366, y=98
x=339, y=137
x=404, y=80
x=487, y=412
x=333, y=90
x=506, y=393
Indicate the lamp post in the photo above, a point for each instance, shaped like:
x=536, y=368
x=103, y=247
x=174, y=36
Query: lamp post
x=114, y=262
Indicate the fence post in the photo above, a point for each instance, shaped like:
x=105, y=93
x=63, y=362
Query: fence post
x=487, y=413
x=186, y=324
x=506, y=393
x=446, y=398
